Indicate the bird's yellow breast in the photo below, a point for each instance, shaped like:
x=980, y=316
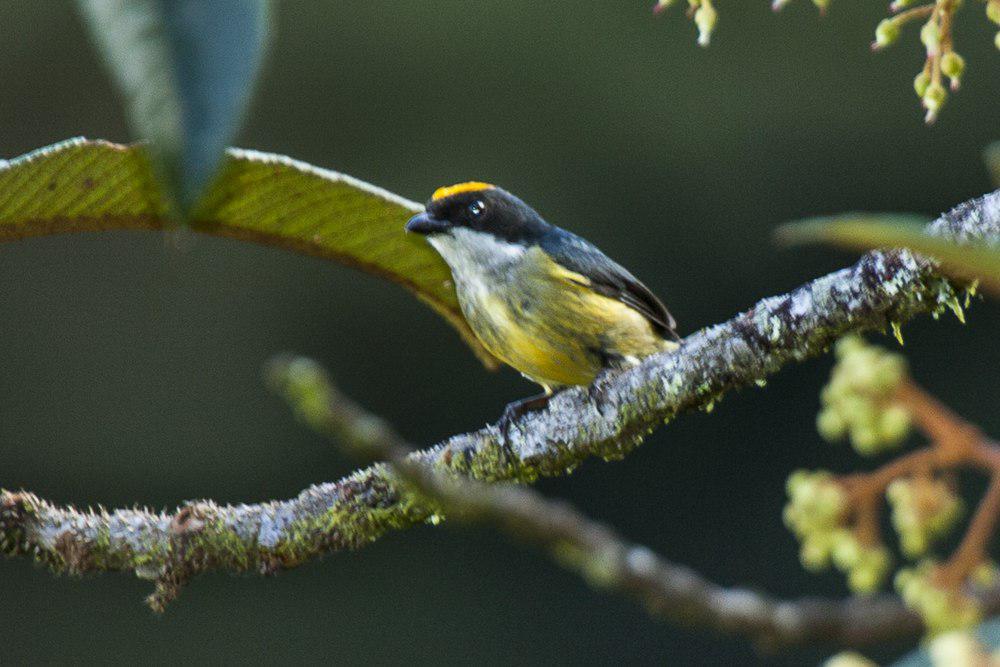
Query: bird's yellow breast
x=550, y=325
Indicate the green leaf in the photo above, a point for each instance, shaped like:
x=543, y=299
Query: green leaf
x=867, y=231
x=81, y=185
x=186, y=68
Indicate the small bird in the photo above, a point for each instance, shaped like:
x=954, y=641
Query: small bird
x=539, y=298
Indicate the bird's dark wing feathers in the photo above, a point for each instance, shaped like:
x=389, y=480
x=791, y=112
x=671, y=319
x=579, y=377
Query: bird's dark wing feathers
x=607, y=277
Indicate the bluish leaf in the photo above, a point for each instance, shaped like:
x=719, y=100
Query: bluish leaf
x=186, y=68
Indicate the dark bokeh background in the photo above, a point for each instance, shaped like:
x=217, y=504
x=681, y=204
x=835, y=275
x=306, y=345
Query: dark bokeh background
x=129, y=371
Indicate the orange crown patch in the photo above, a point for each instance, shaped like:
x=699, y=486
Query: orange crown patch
x=470, y=186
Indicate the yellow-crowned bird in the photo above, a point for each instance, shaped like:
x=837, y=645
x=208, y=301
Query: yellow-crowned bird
x=540, y=299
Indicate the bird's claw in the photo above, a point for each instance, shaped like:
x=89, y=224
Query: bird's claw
x=518, y=409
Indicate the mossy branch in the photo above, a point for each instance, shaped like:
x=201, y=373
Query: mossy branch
x=606, y=420
x=591, y=549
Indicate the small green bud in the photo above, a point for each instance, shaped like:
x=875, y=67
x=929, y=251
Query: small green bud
x=864, y=580
x=893, y=424
x=890, y=371
x=941, y=609
x=930, y=35
x=830, y=500
x=855, y=408
x=790, y=516
x=846, y=551
x=953, y=65
x=814, y=555
x=920, y=83
x=868, y=574
x=886, y=33
x=705, y=18
x=934, y=97
x=899, y=491
x=831, y=425
x=913, y=544
x=993, y=11
x=821, y=4
x=797, y=482
x=922, y=510
x=848, y=345
x=996, y=40
x=865, y=440
x=985, y=575
x=904, y=581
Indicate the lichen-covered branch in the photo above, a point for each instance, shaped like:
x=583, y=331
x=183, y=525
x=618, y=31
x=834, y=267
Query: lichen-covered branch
x=605, y=420
x=592, y=549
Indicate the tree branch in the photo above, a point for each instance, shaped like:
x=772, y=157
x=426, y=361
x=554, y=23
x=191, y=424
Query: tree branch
x=607, y=420
x=593, y=549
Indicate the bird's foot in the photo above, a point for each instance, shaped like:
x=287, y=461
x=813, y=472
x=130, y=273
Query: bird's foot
x=597, y=391
x=518, y=409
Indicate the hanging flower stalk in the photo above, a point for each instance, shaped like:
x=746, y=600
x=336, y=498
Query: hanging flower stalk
x=942, y=63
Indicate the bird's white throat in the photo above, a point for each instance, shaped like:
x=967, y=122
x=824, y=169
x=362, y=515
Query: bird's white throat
x=476, y=257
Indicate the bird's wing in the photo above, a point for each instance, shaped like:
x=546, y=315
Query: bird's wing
x=607, y=277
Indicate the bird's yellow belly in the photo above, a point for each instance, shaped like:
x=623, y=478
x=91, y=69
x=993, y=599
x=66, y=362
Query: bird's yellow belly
x=556, y=333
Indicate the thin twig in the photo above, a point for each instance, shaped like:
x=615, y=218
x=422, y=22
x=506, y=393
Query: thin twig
x=972, y=551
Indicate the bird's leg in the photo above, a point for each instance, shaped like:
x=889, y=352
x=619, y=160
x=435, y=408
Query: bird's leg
x=597, y=390
x=518, y=409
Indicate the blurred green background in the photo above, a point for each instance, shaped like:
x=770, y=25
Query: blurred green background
x=130, y=368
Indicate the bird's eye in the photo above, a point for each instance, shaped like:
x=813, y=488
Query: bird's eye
x=476, y=208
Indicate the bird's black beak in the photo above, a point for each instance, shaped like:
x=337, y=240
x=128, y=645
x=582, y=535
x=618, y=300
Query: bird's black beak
x=423, y=223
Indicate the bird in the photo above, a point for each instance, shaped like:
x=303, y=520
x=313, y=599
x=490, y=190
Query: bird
x=539, y=298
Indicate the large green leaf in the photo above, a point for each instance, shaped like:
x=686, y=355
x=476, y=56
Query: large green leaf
x=81, y=185
x=186, y=68
x=868, y=231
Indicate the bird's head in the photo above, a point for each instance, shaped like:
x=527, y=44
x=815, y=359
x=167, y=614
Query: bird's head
x=479, y=209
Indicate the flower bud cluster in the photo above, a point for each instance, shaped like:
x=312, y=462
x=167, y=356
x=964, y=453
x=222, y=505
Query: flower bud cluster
x=937, y=17
x=866, y=567
x=935, y=34
x=858, y=401
x=815, y=513
x=942, y=609
x=923, y=509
